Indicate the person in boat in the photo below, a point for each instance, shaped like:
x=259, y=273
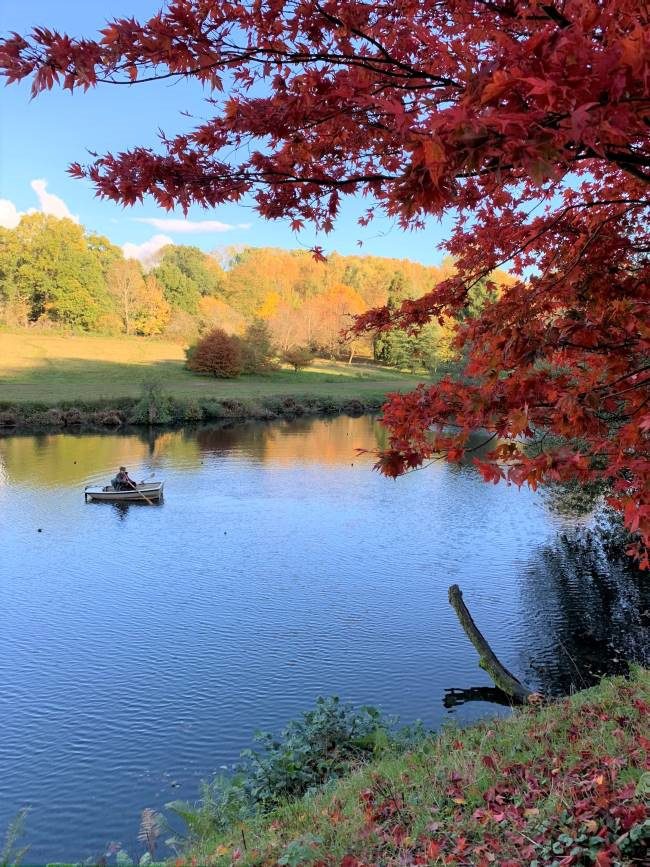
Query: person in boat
x=123, y=481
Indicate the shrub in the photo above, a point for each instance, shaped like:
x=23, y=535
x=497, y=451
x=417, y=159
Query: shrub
x=257, y=349
x=355, y=408
x=292, y=407
x=108, y=418
x=187, y=410
x=259, y=411
x=328, y=406
x=233, y=409
x=212, y=409
x=217, y=353
x=155, y=407
x=74, y=416
x=322, y=745
x=8, y=418
x=49, y=418
x=298, y=357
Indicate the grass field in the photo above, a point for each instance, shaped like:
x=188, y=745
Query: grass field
x=48, y=369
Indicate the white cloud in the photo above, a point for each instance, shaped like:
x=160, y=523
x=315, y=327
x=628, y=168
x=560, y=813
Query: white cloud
x=51, y=204
x=190, y=227
x=9, y=215
x=147, y=252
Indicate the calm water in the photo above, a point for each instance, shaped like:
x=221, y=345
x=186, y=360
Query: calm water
x=140, y=648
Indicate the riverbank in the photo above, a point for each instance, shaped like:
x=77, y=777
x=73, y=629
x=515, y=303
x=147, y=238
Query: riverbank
x=77, y=417
x=564, y=784
x=54, y=381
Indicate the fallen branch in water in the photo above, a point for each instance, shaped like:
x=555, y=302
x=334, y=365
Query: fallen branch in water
x=488, y=661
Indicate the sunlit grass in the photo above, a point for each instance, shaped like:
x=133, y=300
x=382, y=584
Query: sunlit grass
x=46, y=368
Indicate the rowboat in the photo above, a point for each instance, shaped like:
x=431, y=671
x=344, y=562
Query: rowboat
x=146, y=492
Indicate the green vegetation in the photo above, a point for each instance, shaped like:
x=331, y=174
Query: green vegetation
x=323, y=745
x=78, y=374
x=55, y=275
x=562, y=781
x=11, y=853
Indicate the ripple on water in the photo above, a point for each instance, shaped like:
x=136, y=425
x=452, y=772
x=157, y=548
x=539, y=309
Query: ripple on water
x=142, y=647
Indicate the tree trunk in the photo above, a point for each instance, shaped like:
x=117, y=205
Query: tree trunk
x=488, y=661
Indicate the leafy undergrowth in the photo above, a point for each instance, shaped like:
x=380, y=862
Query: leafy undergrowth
x=567, y=784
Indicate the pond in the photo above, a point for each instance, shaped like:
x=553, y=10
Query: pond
x=141, y=647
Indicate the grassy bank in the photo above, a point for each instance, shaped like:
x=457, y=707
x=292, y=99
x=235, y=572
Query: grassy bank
x=560, y=785
x=50, y=369
x=566, y=784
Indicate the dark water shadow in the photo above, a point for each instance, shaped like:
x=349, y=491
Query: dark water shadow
x=121, y=509
x=587, y=613
x=454, y=698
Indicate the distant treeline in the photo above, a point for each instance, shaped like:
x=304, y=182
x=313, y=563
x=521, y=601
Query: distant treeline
x=55, y=274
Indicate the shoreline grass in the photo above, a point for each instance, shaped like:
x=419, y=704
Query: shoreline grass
x=56, y=381
x=565, y=784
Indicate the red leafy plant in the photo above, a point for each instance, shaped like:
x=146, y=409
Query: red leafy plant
x=217, y=353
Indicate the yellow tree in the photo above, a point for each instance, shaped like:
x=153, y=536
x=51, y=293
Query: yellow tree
x=333, y=312
x=153, y=313
x=125, y=283
x=216, y=313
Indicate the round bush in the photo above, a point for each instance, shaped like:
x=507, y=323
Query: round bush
x=217, y=353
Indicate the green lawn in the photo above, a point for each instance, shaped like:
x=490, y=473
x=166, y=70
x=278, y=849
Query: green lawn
x=48, y=369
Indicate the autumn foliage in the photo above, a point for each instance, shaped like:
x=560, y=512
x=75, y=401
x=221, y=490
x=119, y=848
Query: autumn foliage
x=527, y=120
x=217, y=353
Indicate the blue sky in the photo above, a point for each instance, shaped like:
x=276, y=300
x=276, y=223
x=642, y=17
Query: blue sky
x=40, y=138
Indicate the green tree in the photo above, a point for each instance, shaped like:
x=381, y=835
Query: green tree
x=49, y=267
x=188, y=274
x=257, y=347
x=399, y=348
x=14, y=307
x=482, y=293
x=201, y=268
x=106, y=252
x=179, y=289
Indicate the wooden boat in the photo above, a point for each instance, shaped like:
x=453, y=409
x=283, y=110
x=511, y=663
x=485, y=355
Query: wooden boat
x=145, y=492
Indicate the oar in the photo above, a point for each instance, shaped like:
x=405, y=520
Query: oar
x=140, y=492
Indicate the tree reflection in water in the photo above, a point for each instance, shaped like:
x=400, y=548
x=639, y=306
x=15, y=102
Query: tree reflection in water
x=586, y=609
x=456, y=697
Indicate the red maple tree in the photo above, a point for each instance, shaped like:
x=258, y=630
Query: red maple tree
x=528, y=120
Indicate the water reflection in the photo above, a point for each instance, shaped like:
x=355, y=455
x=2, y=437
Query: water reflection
x=587, y=613
x=492, y=695
x=122, y=508
x=146, y=645
x=54, y=459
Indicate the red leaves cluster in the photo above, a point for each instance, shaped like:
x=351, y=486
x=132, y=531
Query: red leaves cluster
x=218, y=354
x=596, y=808
x=569, y=801
x=527, y=118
